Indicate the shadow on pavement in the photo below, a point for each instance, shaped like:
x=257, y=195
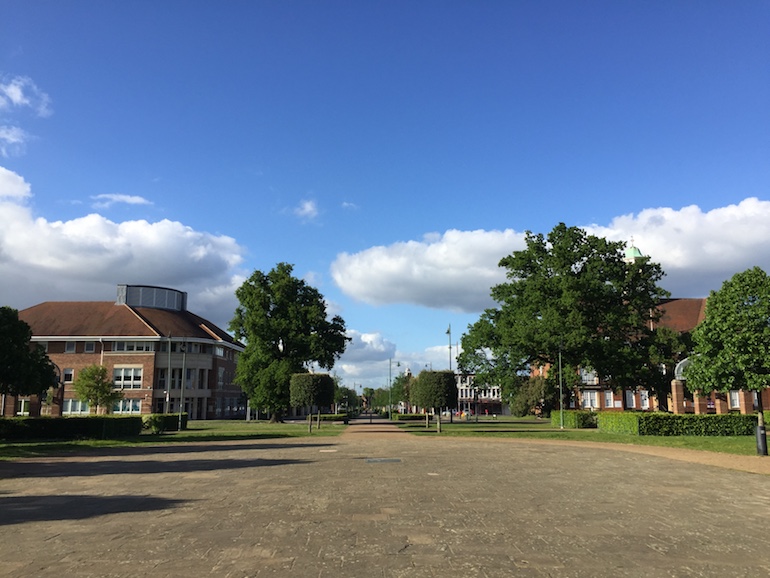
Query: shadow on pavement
x=73, y=468
x=21, y=509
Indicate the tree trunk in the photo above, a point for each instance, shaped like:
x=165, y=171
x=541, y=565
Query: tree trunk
x=438, y=422
x=309, y=423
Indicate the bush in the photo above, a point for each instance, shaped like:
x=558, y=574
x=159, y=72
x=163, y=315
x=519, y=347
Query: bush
x=622, y=422
x=669, y=424
x=162, y=422
x=409, y=416
x=574, y=419
x=70, y=428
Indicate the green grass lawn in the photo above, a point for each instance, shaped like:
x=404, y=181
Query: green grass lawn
x=531, y=428
x=197, y=431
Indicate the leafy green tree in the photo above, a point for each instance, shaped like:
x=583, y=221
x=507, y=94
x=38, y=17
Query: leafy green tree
x=311, y=389
x=284, y=324
x=346, y=397
x=732, y=343
x=435, y=390
x=573, y=293
x=25, y=369
x=94, y=385
x=401, y=386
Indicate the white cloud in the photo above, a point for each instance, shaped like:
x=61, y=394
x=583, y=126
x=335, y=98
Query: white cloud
x=13, y=186
x=455, y=271
x=307, y=210
x=698, y=250
x=85, y=258
x=452, y=271
x=21, y=92
x=107, y=200
x=16, y=95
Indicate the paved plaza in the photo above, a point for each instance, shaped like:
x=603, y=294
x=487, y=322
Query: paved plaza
x=382, y=503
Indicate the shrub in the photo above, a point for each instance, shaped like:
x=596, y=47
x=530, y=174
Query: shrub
x=622, y=422
x=668, y=424
x=574, y=419
x=69, y=428
x=409, y=416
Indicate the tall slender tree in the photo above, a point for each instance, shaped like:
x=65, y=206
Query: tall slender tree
x=284, y=324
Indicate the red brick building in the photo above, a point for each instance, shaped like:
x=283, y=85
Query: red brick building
x=151, y=345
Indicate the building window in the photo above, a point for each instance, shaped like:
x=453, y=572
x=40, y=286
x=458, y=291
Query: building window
x=69, y=347
x=75, y=407
x=89, y=347
x=22, y=407
x=161, y=379
x=735, y=399
x=644, y=397
x=589, y=400
x=219, y=351
x=127, y=406
x=609, y=398
x=630, y=399
x=131, y=346
x=220, y=376
x=68, y=374
x=127, y=377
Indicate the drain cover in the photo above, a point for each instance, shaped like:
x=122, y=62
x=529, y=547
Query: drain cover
x=382, y=460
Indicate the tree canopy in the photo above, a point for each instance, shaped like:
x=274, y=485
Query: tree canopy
x=434, y=390
x=25, y=369
x=569, y=292
x=94, y=385
x=312, y=389
x=732, y=343
x=283, y=322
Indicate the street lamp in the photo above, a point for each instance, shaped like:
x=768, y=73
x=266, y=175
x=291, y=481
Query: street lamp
x=390, y=387
x=182, y=384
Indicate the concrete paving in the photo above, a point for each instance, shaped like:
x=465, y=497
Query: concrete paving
x=378, y=502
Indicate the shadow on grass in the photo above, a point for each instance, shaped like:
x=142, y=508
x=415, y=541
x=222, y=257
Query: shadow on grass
x=21, y=509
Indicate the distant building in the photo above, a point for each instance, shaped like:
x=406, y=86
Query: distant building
x=151, y=345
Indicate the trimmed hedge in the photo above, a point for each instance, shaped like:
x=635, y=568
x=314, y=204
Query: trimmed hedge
x=70, y=428
x=410, y=417
x=669, y=424
x=163, y=422
x=574, y=419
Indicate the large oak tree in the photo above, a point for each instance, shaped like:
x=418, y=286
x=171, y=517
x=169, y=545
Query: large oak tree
x=284, y=324
x=573, y=293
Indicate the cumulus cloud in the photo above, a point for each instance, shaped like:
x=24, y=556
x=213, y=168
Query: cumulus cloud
x=307, y=210
x=698, y=251
x=107, y=200
x=85, y=258
x=452, y=271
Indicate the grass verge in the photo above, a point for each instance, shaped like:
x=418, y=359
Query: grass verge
x=198, y=431
x=527, y=428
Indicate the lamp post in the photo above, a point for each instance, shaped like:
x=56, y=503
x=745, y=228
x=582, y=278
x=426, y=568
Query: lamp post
x=561, y=394
x=390, y=387
x=182, y=384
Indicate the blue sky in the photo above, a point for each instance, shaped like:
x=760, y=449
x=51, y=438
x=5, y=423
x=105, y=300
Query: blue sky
x=392, y=151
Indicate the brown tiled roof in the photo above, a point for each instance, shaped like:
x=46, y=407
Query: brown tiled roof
x=682, y=315
x=106, y=319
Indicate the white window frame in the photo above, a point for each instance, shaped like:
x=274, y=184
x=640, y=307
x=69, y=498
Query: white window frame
x=127, y=406
x=590, y=400
x=630, y=399
x=609, y=398
x=75, y=407
x=70, y=346
x=89, y=347
x=644, y=397
x=734, y=399
x=68, y=371
x=131, y=374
